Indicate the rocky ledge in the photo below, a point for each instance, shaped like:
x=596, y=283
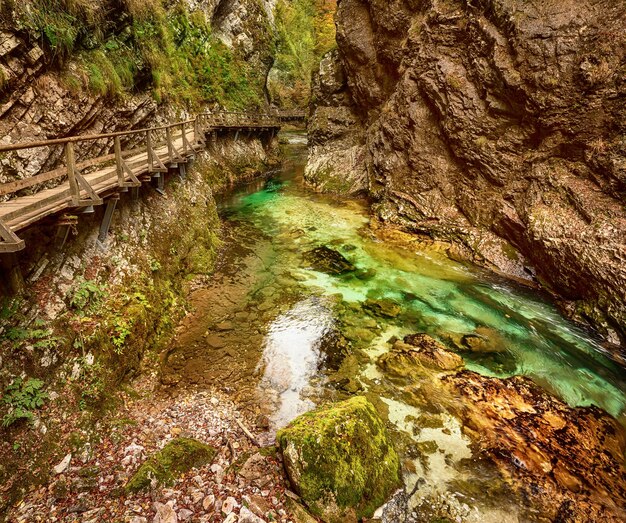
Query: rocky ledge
x=568, y=464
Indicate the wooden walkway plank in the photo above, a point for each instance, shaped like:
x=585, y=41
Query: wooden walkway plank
x=181, y=142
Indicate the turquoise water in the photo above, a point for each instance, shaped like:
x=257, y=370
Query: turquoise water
x=303, y=314
x=522, y=331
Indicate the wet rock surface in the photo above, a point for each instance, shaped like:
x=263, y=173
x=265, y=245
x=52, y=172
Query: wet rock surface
x=418, y=350
x=569, y=463
x=340, y=459
x=329, y=261
x=496, y=126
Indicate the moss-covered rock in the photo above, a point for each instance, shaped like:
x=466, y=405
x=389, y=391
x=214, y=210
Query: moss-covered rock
x=340, y=459
x=177, y=457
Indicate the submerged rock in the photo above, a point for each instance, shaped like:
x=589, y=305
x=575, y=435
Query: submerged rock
x=568, y=462
x=178, y=456
x=334, y=348
x=324, y=259
x=384, y=308
x=416, y=351
x=340, y=460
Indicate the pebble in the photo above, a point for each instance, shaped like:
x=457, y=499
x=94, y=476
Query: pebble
x=246, y=516
x=63, y=465
x=208, y=502
x=229, y=505
x=164, y=514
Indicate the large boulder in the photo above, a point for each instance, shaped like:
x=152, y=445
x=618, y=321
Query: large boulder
x=567, y=463
x=340, y=460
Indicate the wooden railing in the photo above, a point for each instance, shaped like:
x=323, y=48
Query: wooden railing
x=118, y=170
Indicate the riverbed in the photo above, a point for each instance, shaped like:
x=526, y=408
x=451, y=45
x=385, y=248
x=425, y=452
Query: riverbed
x=281, y=336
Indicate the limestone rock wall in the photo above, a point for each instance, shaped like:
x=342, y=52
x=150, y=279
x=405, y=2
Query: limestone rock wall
x=492, y=120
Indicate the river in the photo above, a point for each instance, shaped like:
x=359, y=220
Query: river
x=283, y=336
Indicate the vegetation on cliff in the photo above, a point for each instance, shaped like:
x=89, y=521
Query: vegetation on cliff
x=305, y=31
x=117, y=48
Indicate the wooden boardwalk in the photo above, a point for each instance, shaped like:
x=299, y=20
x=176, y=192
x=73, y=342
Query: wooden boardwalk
x=112, y=173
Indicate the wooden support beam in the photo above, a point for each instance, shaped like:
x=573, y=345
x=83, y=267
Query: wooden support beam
x=172, y=152
x=10, y=241
x=93, y=198
x=153, y=157
x=123, y=169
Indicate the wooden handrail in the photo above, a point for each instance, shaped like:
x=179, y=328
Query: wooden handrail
x=93, y=137
x=83, y=138
x=127, y=169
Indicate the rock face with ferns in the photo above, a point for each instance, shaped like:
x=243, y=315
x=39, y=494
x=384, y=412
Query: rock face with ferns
x=96, y=69
x=490, y=124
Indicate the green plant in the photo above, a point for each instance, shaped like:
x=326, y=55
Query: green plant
x=22, y=398
x=39, y=337
x=122, y=329
x=85, y=295
x=154, y=265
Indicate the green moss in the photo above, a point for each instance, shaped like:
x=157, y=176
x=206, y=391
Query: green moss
x=177, y=457
x=340, y=459
x=171, y=52
x=509, y=251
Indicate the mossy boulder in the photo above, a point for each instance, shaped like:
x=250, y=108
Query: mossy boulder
x=340, y=460
x=177, y=457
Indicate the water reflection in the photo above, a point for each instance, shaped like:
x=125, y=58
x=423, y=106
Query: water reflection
x=291, y=357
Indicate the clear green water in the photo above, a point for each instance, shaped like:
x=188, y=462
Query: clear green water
x=299, y=307
x=439, y=296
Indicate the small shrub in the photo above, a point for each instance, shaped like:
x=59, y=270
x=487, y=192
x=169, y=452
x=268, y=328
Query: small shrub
x=22, y=398
x=85, y=295
x=122, y=329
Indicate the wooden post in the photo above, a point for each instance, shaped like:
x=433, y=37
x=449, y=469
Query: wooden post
x=170, y=146
x=149, y=145
x=118, y=162
x=183, y=126
x=11, y=273
x=70, y=160
x=196, y=131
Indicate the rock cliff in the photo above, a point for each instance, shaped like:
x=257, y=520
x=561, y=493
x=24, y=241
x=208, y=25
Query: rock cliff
x=492, y=124
x=43, y=97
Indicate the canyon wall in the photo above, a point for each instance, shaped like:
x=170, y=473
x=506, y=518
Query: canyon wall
x=497, y=125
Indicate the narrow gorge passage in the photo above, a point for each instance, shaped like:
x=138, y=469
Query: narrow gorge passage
x=282, y=327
